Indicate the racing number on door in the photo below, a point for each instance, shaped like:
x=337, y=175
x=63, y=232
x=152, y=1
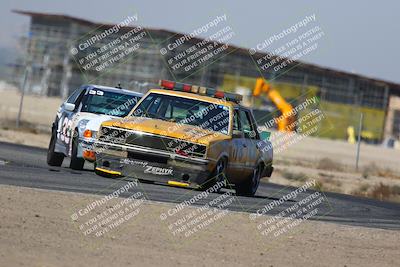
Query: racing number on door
x=65, y=130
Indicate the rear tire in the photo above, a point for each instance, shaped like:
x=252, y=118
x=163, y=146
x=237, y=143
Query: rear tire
x=249, y=188
x=76, y=162
x=54, y=158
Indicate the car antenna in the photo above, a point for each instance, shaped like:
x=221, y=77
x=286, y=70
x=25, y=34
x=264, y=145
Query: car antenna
x=118, y=86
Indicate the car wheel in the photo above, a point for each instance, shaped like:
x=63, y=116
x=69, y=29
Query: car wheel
x=76, y=162
x=218, y=175
x=250, y=187
x=54, y=158
x=220, y=171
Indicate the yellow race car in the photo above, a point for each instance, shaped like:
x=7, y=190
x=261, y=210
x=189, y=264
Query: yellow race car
x=189, y=136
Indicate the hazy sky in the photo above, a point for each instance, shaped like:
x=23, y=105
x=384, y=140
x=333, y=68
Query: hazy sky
x=360, y=36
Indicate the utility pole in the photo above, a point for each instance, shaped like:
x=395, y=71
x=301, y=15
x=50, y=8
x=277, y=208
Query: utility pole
x=27, y=74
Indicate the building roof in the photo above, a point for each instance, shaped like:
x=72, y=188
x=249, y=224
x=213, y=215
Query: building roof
x=313, y=67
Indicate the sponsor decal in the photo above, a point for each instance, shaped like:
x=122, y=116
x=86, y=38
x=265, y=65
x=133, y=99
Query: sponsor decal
x=148, y=168
x=158, y=170
x=133, y=162
x=96, y=92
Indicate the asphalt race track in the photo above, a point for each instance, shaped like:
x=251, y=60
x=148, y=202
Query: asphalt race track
x=26, y=166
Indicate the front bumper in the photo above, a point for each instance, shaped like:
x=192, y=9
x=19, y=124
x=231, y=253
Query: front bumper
x=87, y=149
x=152, y=165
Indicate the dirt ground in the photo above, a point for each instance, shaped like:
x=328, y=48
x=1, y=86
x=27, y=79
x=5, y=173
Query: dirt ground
x=25, y=138
x=37, y=111
x=37, y=230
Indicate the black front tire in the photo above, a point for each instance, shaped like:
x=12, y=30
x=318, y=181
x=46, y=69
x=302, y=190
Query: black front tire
x=76, y=162
x=54, y=158
x=218, y=175
x=249, y=187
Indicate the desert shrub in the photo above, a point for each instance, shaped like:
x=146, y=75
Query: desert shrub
x=319, y=186
x=362, y=190
x=381, y=192
x=329, y=165
x=395, y=190
x=300, y=177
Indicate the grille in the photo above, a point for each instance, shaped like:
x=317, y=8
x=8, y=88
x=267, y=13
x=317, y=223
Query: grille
x=112, y=135
x=177, y=146
x=150, y=158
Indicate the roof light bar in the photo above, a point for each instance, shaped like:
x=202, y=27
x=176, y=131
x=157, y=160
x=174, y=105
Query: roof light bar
x=167, y=84
x=200, y=90
x=187, y=87
x=219, y=94
x=195, y=89
x=203, y=90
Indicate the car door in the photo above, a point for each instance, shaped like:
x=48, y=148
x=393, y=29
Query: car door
x=65, y=121
x=250, y=137
x=238, y=147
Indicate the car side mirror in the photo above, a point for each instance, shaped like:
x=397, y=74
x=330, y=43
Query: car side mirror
x=237, y=134
x=264, y=135
x=69, y=106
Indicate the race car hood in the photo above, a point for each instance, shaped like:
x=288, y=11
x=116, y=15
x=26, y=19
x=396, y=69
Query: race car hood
x=170, y=129
x=95, y=122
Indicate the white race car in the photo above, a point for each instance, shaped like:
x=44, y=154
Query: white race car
x=78, y=120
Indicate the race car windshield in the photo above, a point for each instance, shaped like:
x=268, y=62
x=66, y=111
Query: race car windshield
x=182, y=110
x=109, y=103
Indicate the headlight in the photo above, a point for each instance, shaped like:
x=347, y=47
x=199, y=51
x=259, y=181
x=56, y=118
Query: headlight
x=82, y=124
x=89, y=133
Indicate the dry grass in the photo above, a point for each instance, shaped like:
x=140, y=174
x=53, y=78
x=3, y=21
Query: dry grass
x=300, y=177
x=374, y=170
x=369, y=170
x=362, y=190
x=25, y=126
x=319, y=186
x=326, y=175
x=331, y=181
x=380, y=192
x=329, y=165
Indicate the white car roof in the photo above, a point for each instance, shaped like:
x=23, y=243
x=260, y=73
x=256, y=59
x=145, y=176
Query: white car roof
x=113, y=89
